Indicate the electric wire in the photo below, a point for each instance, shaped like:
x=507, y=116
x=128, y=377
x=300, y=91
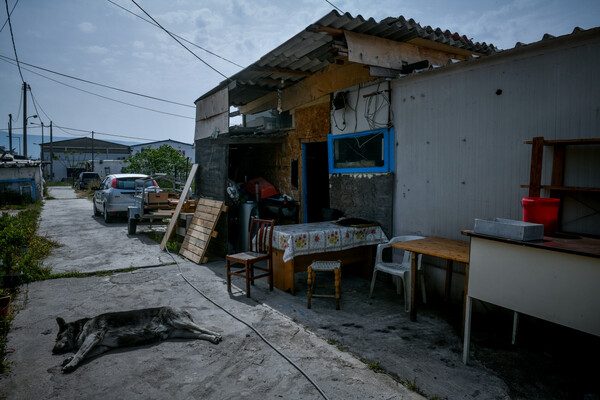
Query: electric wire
x=20, y=102
x=334, y=6
x=101, y=96
x=99, y=84
x=177, y=40
x=11, y=11
x=13, y=41
x=264, y=339
x=182, y=38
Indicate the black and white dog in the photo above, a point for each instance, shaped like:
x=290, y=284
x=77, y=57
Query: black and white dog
x=93, y=336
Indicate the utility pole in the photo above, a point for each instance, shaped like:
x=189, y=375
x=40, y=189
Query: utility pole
x=10, y=133
x=25, y=119
x=42, y=148
x=92, y=151
x=51, y=154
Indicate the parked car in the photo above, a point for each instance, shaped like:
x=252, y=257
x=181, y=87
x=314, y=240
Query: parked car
x=85, y=178
x=115, y=194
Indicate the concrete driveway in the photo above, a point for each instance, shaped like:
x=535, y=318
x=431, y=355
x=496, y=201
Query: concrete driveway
x=88, y=244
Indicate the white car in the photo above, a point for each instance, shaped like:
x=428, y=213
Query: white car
x=115, y=194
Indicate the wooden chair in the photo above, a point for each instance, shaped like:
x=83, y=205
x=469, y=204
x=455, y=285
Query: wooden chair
x=259, y=242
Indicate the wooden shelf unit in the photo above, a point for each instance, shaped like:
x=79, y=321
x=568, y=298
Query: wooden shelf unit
x=556, y=186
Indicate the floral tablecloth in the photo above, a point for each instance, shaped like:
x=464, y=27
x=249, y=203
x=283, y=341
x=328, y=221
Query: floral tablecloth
x=320, y=237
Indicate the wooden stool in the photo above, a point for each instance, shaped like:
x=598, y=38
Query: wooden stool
x=334, y=266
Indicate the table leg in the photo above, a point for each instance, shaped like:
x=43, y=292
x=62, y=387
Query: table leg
x=467, y=330
x=465, y=297
x=515, y=327
x=448, y=281
x=413, y=286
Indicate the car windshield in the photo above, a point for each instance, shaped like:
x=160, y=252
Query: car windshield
x=129, y=183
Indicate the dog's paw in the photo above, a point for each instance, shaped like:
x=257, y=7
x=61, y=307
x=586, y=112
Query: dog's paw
x=66, y=361
x=216, y=339
x=68, y=368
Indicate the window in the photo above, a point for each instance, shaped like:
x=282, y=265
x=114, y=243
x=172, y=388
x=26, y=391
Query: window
x=370, y=151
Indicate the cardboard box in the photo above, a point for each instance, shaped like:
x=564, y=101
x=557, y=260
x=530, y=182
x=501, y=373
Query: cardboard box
x=158, y=198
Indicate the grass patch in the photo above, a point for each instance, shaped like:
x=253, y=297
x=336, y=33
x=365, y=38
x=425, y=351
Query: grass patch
x=172, y=245
x=58, y=183
x=412, y=386
x=22, y=250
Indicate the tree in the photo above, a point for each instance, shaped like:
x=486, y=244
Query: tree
x=165, y=159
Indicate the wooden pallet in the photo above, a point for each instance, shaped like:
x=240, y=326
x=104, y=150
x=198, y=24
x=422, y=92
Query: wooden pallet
x=201, y=230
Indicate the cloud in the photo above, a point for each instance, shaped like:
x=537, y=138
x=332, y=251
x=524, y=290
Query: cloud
x=96, y=50
x=87, y=27
x=138, y=44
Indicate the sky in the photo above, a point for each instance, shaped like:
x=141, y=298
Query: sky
x=99, y=41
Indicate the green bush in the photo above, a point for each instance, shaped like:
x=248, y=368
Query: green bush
x=21, y=249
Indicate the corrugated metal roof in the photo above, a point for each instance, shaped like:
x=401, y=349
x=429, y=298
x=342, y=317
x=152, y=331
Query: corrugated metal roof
x=314, y=49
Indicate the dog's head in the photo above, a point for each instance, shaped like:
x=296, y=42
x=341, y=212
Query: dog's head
x=65, y=340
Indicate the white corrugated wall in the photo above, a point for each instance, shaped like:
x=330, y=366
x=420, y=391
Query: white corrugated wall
x=460, y=151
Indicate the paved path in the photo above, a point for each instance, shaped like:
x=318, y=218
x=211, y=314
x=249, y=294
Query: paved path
x=88, y=244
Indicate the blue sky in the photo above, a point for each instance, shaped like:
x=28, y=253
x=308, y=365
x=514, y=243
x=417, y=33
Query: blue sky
x=98, y=41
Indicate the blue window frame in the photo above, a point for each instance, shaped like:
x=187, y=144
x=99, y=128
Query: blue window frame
x=369, y=151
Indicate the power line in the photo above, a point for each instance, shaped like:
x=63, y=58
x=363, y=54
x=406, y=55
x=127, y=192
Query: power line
x=101, y=96
x=184, y=39
x=11, y=11
x=13, y=41
x=334, y=6
x=100, y=84
x=174, y=38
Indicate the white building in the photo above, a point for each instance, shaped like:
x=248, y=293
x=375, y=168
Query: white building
x=69, y=156
x=185, y=149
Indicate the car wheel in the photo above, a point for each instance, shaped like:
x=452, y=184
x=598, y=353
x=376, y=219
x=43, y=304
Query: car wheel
x=96, y=212
x=106, y=216
x=131, y=226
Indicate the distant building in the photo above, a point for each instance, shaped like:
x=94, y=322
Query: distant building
x=71, y=156
x=21, y=177
x=185, y=149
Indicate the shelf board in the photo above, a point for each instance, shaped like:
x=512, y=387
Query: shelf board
x=568, y=141
x=566, y=188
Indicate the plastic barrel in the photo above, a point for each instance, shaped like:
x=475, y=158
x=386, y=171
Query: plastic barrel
x=541, y=210
x=248, y=210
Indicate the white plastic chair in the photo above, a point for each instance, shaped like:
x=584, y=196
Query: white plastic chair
x=401, y=270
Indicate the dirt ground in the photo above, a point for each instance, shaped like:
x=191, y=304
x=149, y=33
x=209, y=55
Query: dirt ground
x=365, y=350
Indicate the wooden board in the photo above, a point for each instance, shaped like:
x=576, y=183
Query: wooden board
x=201, y=230
x=175, y=216
x=449, y=249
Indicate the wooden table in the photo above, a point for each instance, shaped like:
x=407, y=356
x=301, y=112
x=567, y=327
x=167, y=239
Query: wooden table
x=296, y=246
x=449, y=249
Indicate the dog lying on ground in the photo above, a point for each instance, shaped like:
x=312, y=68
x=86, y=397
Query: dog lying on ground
x=94, y=336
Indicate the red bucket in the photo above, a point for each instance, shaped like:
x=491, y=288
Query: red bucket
x=541, y=210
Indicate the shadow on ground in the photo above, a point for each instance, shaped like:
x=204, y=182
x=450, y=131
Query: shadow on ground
x=548, y=362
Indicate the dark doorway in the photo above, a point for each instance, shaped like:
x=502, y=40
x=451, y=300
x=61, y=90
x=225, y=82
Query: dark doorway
x=315, y=194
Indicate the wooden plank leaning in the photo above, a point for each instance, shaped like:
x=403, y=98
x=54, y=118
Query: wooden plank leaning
x=173, y=221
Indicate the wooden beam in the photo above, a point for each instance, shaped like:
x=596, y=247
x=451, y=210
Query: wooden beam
x=283, y=71
x=182, y=196
x=248, y=140
x=266, y=102
x=329, y=80
x=328, y=30
x=373, y=50
x=535, y=174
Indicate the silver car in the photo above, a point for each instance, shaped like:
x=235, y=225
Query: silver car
x=115, y=194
